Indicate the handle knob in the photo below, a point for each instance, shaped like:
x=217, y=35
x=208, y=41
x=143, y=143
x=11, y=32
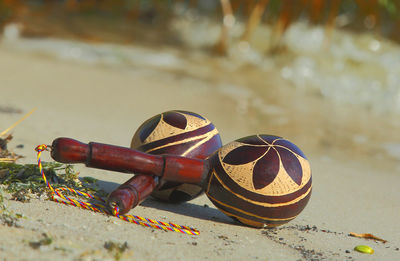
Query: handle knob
x=66, y=150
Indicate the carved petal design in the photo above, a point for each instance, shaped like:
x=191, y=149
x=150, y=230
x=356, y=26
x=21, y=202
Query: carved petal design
x=252, y=140
x=244, y=154
x=269, y=138
x=148, y=127
x=290, y=146
x=291, y=164
x=175, y=119
x=193, y=114
x=266, y=169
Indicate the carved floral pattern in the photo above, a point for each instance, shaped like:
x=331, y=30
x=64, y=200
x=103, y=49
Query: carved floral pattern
x=268, y=153
x=176, y=119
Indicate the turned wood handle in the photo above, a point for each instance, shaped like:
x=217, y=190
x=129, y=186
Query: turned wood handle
x=67, y=150
x=115, y=158
x=131, y=193
x=108, y=157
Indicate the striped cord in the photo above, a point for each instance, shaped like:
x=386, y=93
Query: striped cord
x=58, y=196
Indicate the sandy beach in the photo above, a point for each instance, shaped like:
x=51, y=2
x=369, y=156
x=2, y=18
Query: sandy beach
x=355, y=181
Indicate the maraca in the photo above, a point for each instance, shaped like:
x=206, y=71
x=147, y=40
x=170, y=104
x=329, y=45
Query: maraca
x=180, y=133
x=260, y=180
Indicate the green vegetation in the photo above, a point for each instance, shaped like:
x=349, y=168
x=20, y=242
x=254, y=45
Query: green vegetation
x=391, y=6
x=116, y=249
x=24, y=181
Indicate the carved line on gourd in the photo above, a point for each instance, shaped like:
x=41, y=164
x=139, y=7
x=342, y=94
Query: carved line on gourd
x=264, y=204
x=277, y=220
x=247, y=213
x=277, y=139
x=260, y=222
x=267, y=143
x=282, y=179
x=192, y=123
x=162, y=141
x=253, y=223
x=202, y=139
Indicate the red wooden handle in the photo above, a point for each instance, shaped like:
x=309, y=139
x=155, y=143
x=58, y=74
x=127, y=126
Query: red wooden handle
x=67, y=150
x=115, y=158
x=109, y=157
x=131, y=193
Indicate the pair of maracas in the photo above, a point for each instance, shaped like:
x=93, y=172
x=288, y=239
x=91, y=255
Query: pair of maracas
x=260, y=180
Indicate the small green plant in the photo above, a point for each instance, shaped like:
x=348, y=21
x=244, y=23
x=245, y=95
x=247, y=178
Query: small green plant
x=117, y=249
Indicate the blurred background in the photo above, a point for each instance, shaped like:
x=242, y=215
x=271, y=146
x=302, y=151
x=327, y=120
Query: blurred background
x=324, y=74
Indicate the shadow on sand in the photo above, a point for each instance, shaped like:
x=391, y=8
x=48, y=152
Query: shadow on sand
x=204, y=212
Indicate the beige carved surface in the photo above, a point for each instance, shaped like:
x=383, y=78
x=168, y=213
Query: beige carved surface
x=164, y=130
x=243, y=174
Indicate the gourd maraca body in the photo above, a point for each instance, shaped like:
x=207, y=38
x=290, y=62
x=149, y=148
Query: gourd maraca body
x=260, y=180
x=179, y=133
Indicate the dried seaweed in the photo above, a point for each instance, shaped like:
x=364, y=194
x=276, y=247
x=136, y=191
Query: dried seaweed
x=24, y=181
x=367, y=236
x=5, y=154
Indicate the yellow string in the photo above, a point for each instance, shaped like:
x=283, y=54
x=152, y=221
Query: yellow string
x=58, y=196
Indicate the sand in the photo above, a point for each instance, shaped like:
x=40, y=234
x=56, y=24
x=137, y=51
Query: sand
x=355, y=182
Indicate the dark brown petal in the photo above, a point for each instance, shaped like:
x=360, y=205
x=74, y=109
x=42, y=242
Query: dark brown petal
x=266, y=169
x=291, y=164
x=193, y=114
x=244, y=154
x=252, y=140
x=270, y=138
x=147, y=128
x=175, y=119
x=290, y=146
